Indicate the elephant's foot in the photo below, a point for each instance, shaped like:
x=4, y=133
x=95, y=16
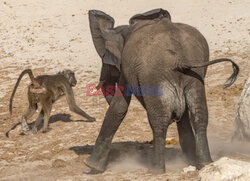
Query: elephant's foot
x=201, y=165
x=191, y=159
x=157, y=171
x=94, y=165
x=157, y=168
x=192, y=162
x=93, y=172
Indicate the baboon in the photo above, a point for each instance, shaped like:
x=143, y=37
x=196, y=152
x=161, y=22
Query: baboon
x=47, y=89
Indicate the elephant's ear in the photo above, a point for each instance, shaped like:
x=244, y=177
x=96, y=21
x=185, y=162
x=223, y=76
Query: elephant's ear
x=108, y=42
x=114, y=43
x=150, y=15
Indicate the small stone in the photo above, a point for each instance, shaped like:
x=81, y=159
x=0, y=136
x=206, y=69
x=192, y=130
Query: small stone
x=190, y=168
x=171, y=141
x=58, y=163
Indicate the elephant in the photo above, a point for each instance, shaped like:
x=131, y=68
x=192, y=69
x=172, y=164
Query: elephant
x=155, y=52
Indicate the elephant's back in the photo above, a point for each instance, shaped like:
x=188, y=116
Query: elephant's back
x=147, y=43
x=160, y=45
x=192, y=39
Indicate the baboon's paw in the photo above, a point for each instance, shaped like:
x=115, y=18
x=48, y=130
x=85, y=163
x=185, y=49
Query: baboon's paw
x=46, y=130
x=24, y=132
x=34, y=130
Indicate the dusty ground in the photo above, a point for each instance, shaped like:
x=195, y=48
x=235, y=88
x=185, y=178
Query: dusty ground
x=48, y=36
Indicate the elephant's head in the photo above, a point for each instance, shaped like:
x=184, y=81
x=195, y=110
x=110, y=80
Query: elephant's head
x=109, y=42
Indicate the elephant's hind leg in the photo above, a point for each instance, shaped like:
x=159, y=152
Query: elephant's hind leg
x=186, y=137
x=162, y=110
x=159, y=127
x=196, y=100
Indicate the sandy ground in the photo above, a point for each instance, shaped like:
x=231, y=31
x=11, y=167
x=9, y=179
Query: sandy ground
x=49, y=36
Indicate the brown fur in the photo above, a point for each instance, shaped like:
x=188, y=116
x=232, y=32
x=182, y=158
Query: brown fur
x=47, y=89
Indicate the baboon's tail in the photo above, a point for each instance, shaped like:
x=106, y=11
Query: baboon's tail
x=230, y=80
x=33, y=80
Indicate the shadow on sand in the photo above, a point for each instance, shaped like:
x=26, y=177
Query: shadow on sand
x=53, y=119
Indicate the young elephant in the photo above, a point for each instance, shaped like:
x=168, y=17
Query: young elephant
x=47, y=89
x=152, y=51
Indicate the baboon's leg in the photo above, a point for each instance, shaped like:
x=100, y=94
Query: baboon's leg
x=72, y=104
x=47, y=109
x=79, y=111
x=38, y=121
x=28, y=114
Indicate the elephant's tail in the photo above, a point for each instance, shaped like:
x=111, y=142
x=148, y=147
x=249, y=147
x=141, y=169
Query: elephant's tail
x=230, y=80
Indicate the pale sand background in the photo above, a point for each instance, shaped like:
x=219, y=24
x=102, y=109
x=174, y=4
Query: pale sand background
x=48, y=36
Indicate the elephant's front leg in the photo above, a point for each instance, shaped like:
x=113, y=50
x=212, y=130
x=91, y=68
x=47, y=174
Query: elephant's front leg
x=113, y=118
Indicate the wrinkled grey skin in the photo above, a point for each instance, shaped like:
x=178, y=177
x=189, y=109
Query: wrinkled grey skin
x=153, y=51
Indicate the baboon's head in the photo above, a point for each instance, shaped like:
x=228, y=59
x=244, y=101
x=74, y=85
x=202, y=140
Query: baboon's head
x=70, y=75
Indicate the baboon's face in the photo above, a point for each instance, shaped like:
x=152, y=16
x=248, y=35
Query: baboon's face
x=70, y=75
